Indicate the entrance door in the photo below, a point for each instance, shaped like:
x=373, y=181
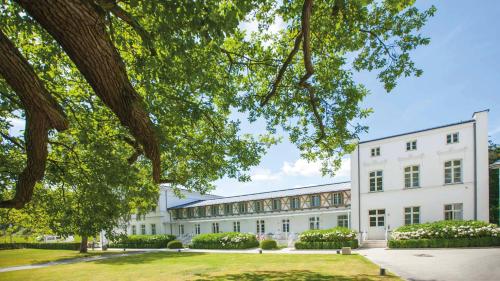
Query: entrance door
x=377, y=222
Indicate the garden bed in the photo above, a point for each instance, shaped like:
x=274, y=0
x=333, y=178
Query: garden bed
x=227, y=240
x=333, y=238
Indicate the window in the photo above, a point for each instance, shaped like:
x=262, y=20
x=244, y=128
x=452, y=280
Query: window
x=190, y=212
x=197, y=228
x=337, y=199
x=258, y=206
x=134, y=230
x=453, y=211
x=236, y=226
x=143, y=229
x=276, y=204
x=228, y=209
x=178, y=213
x=215, y=227
x=377, y=217
x=295, y=203
x=261, y=227
x=411, y=145
x=412, y=215
x=412, y=176
x=314, y=223
x=286, y=225
x=214, y=209
x=376, y=182
x=342, y=221
x=181, y=229
x=453, y=171
x=202, y=212
x=375, y=151
x=315, y=201
x=452, y=138
x=153, y=229
x=242, y=208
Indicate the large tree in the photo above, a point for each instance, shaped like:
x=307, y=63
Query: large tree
x=171, y=73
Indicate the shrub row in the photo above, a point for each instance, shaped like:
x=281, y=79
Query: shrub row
x=143, y=241
x=175, y=244
x=268, y=244
x=336, y=234
x=302, y=245
x=50, y=246
x=445, y=243
x=446, y=230
x=226, y=240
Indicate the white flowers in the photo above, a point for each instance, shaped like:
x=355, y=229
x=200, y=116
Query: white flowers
x=467, y=230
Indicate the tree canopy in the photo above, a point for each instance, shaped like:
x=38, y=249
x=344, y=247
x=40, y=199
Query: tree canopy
x=112, y=89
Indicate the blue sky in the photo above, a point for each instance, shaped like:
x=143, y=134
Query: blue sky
x=461, y=75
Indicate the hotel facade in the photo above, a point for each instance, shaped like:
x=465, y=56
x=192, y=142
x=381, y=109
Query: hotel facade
x=439, y=173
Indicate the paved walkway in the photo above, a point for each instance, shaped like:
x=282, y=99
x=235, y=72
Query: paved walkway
x=481, y=264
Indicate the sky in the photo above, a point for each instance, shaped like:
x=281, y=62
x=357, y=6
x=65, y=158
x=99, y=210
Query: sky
x=461, y=75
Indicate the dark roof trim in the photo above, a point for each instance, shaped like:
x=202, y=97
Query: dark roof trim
x=295, y=188
x=419, y=131
x=485, y=110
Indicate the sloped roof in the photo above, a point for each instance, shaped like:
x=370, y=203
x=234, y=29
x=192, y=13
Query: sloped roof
x=271, y=194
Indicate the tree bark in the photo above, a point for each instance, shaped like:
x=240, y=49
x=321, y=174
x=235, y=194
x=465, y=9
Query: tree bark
x=42, y=114
x=79, y=27
x=83, y=244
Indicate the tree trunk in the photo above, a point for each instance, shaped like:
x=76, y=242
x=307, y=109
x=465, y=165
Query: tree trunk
x=83, y=244
x=79, y=27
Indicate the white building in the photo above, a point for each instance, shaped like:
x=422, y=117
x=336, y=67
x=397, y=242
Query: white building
x=428, y=175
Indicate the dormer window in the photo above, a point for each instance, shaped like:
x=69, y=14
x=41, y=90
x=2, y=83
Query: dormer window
x=452, y=138
x=375, y=151
x=411, y=145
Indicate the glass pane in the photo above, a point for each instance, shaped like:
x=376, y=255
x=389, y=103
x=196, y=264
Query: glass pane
x=381, y=212
x=447, y=164
x=416, y=218
x=455, y=137
x=456, y=162
x=372, y=212
x=407, y=210
x=381, y=221
x=407, y=169
x=379, y=173
x=372, y=174
x=448, y=138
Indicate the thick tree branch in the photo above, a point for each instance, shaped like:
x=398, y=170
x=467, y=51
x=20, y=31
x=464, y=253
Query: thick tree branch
x=115, y=9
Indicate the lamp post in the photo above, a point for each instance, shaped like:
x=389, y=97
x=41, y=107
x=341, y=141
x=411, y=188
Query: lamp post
x=496, y=166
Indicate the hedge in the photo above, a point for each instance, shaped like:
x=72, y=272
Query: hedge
x=445, y=243
x=446, y=230
x=268, y=244
x=143, y=241
x=174, y=244
x=49, y=246
x=227, y=240
x=301, y=245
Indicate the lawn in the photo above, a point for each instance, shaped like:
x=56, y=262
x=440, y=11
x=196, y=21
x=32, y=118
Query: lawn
x=36, y=256
x=211, y=267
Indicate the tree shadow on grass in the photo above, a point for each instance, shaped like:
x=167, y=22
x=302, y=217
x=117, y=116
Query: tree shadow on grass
x=292, y=275
x=143, y=258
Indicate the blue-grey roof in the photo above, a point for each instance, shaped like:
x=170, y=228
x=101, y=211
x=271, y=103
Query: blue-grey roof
x=271, y=194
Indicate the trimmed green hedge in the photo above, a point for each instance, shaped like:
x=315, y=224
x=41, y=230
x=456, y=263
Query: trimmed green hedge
x=268, y=244
x=301, y=245
x=48, y=246
x=446, y=230
x=143, y=241
x=174, y=244
x=445, y=243
x=227, y=240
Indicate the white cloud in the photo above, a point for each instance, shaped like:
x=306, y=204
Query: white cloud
x=302, y=167
x=265, y=175
x=344, y=172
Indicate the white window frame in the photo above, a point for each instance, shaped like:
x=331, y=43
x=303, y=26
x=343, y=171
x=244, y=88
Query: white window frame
x=343, y=221
x=143, y=229
x=134, y=230
x=215, y=227
x=375, y=151
x=412, y=211
x=313, y=223
x=379, y=217
x=258, y=206
x=228, y=209
x=295, y=203
x=455, y=211
x=261, y=227
x=375, y=176
x=244, y=206
x=315, y=201
x=214, y=210
x=197, y=229
x=412, y=176
x=236, y=226
x=411, y=145
x=452, y=169
x=181, y=229
x=337, y=198
x=153, y=229
x=278, y=207
x=285, y=225
x=453, y=138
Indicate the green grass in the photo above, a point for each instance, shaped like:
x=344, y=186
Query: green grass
x=209, y=267
x=37, y=256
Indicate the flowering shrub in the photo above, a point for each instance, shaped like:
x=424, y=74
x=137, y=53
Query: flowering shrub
x=333, y=238
x=143, y=241
x=226, y=240
x=446, y=230
x=336, y=234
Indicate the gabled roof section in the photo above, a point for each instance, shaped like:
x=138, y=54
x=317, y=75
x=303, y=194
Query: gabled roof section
x=271, y=194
